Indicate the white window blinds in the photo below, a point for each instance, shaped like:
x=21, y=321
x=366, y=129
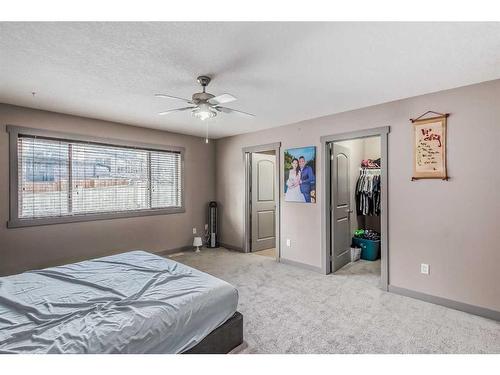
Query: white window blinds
x=58, y=178
x=43, y=186
x=165, y=179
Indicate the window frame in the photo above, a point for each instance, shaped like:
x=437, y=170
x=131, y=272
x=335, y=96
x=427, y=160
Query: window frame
x=16, y=222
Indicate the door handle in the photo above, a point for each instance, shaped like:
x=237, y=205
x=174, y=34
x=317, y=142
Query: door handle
x=349, y=211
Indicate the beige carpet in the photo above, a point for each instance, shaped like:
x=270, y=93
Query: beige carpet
x=292, y=310
x=271, y=253
x=364, y=270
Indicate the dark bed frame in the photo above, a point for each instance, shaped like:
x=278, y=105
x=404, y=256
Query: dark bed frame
x=223, y=339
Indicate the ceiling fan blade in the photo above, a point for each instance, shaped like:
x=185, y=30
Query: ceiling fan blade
x=222, y=99
x=172, y=97
x=230, y=110
x=175, y=110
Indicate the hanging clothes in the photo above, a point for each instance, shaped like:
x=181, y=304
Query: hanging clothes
x=368, y=192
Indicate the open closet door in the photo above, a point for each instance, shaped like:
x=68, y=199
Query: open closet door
x=340, y=209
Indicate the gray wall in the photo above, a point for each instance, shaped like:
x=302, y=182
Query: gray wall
x=452, y=225
x=371, y=148
x=35, y=247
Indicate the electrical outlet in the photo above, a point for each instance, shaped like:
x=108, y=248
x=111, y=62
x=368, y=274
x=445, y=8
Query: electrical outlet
x=288, y=242
x=424, y=268
x=206, y=226
x=194, y=230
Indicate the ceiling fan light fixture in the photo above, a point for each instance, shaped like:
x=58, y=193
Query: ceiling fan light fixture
x=204, y=112
x=204, y=105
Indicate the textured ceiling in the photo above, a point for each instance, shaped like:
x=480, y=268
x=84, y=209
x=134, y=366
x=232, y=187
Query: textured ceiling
x=282, y=72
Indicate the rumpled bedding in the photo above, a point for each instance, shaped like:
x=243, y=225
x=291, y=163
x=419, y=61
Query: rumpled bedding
x=134, y=302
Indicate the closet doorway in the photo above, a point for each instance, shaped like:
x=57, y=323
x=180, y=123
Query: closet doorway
x=355, y=216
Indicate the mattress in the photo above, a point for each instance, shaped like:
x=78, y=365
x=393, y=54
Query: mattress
x=134, y=302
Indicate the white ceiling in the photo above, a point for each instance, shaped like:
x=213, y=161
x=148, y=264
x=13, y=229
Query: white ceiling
x=282, y=72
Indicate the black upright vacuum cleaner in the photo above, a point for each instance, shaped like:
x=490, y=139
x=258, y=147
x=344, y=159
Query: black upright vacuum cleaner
x=212, y=240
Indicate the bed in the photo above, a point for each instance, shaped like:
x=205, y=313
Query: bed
x=135, y=302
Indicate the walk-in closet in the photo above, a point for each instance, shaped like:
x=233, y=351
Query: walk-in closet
x=356, y=174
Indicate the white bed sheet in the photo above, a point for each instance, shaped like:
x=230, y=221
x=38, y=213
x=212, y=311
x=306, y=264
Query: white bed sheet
x=134, y=302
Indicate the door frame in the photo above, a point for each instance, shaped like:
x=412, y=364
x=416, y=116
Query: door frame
x=276, y=147
x=326, y=235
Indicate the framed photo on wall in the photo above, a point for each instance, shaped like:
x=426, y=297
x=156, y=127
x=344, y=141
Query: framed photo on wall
x=300, y=174
x=429, y=148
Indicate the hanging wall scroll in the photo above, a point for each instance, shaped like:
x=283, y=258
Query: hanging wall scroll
x=429, y=146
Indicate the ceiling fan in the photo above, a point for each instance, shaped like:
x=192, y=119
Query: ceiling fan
x=204, y=105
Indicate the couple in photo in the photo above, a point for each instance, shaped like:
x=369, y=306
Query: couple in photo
x=300, y=182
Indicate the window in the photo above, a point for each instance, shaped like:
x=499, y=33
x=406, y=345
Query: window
x=61, y=179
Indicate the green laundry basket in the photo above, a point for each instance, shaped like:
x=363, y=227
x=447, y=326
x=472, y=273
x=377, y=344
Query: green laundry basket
x=370, y=250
